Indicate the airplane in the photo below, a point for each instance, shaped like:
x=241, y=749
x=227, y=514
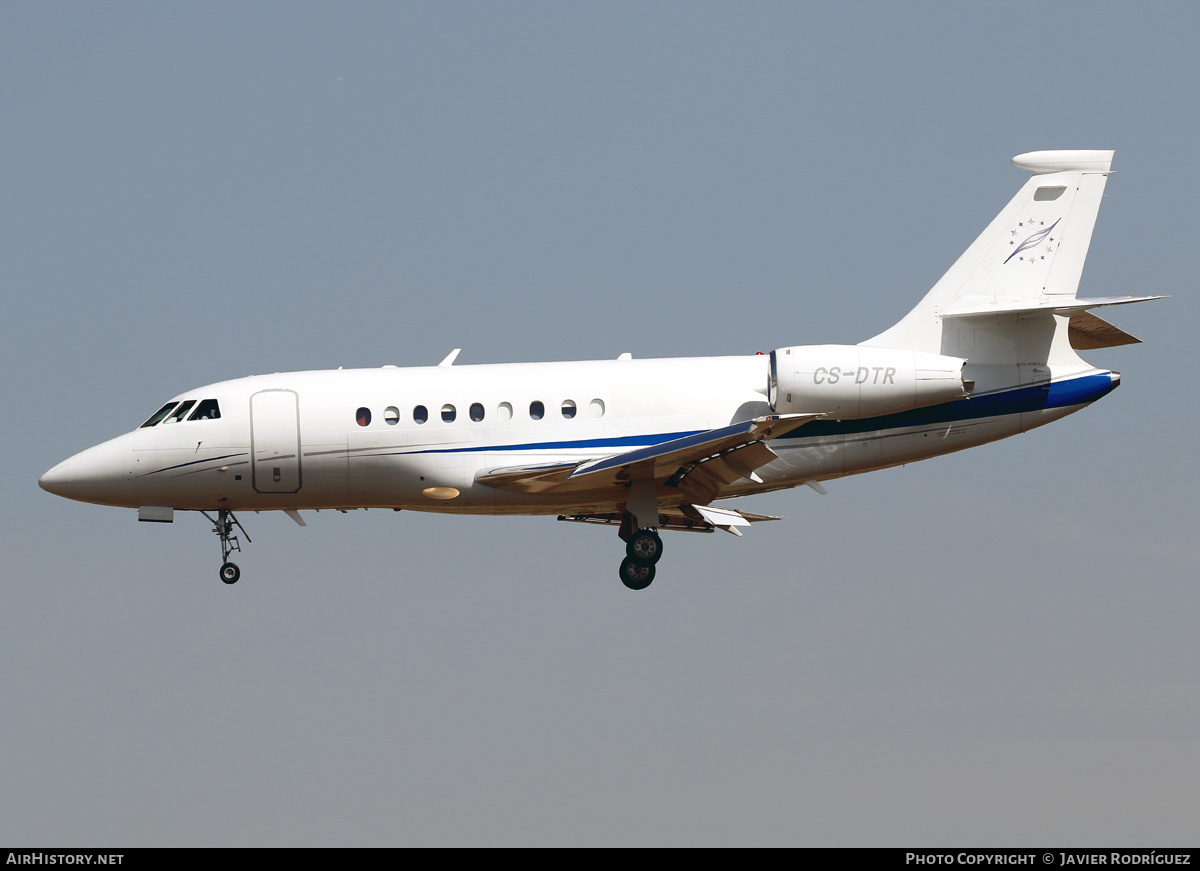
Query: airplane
x=646, y=445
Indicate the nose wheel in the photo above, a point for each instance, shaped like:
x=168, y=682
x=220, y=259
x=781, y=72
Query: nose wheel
x=224, y=526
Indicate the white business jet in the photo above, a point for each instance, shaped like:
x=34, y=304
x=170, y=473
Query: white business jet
x=646, y=445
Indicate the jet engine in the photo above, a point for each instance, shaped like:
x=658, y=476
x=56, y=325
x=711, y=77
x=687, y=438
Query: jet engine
x=853, y=381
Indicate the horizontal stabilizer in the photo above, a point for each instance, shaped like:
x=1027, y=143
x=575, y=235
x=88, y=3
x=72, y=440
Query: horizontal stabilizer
x=1050, y=306
x=1086, y=331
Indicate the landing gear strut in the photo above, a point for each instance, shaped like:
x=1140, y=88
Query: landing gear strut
x=643, y=548
x=223, y=526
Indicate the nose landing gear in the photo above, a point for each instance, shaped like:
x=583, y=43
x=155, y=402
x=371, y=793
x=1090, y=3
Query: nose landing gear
x=223, y=526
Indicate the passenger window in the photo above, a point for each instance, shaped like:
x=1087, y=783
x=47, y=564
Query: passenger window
x=597, y=407
x=504, y=411
x=363, y=416
x=392, y=415
x=476, y=412
x=181, y=412
x=420, y=414
x=206, y=410
x=448, y=413
x=568, y=408
x=536, y=410
x=158, y=415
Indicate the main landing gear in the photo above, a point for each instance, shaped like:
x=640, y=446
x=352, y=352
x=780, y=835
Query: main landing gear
x=223, y=526
x=643, y=548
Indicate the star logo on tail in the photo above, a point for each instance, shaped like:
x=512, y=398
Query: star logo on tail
x=1033, y=240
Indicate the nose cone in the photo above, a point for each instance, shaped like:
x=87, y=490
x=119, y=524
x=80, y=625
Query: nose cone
x=54, y=480
x=100, y=474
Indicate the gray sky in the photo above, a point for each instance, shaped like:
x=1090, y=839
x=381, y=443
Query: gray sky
x=996, y=647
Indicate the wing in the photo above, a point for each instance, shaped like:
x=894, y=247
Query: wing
x=700, y=464
x=686, y=518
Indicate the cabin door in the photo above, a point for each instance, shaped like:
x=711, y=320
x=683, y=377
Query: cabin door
x=275, y=441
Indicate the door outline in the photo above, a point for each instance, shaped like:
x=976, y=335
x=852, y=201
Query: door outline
x=275, y=433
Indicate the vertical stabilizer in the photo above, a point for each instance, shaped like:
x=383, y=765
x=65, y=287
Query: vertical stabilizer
x=1030, y=255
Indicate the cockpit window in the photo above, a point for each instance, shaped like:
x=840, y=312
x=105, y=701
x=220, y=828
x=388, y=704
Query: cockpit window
x=181, y=412
x=158, y=415
x=206, y=410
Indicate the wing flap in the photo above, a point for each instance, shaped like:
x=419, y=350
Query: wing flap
x=733, y=452
x=732, y=465
x=661, y=461
x=685, y=518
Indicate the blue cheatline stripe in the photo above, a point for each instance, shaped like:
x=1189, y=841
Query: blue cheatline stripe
x=1060, y=394
x=1036, y=397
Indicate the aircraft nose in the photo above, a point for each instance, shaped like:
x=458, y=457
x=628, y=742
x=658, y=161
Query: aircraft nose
x=95, y=475
x=56, y=479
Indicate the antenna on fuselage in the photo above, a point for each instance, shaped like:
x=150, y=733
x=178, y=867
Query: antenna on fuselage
x=449, y=361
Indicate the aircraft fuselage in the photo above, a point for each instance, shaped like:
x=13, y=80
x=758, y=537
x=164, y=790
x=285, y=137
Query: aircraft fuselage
x=301, y=440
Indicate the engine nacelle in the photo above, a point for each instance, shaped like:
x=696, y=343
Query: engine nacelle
x=852, y=381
